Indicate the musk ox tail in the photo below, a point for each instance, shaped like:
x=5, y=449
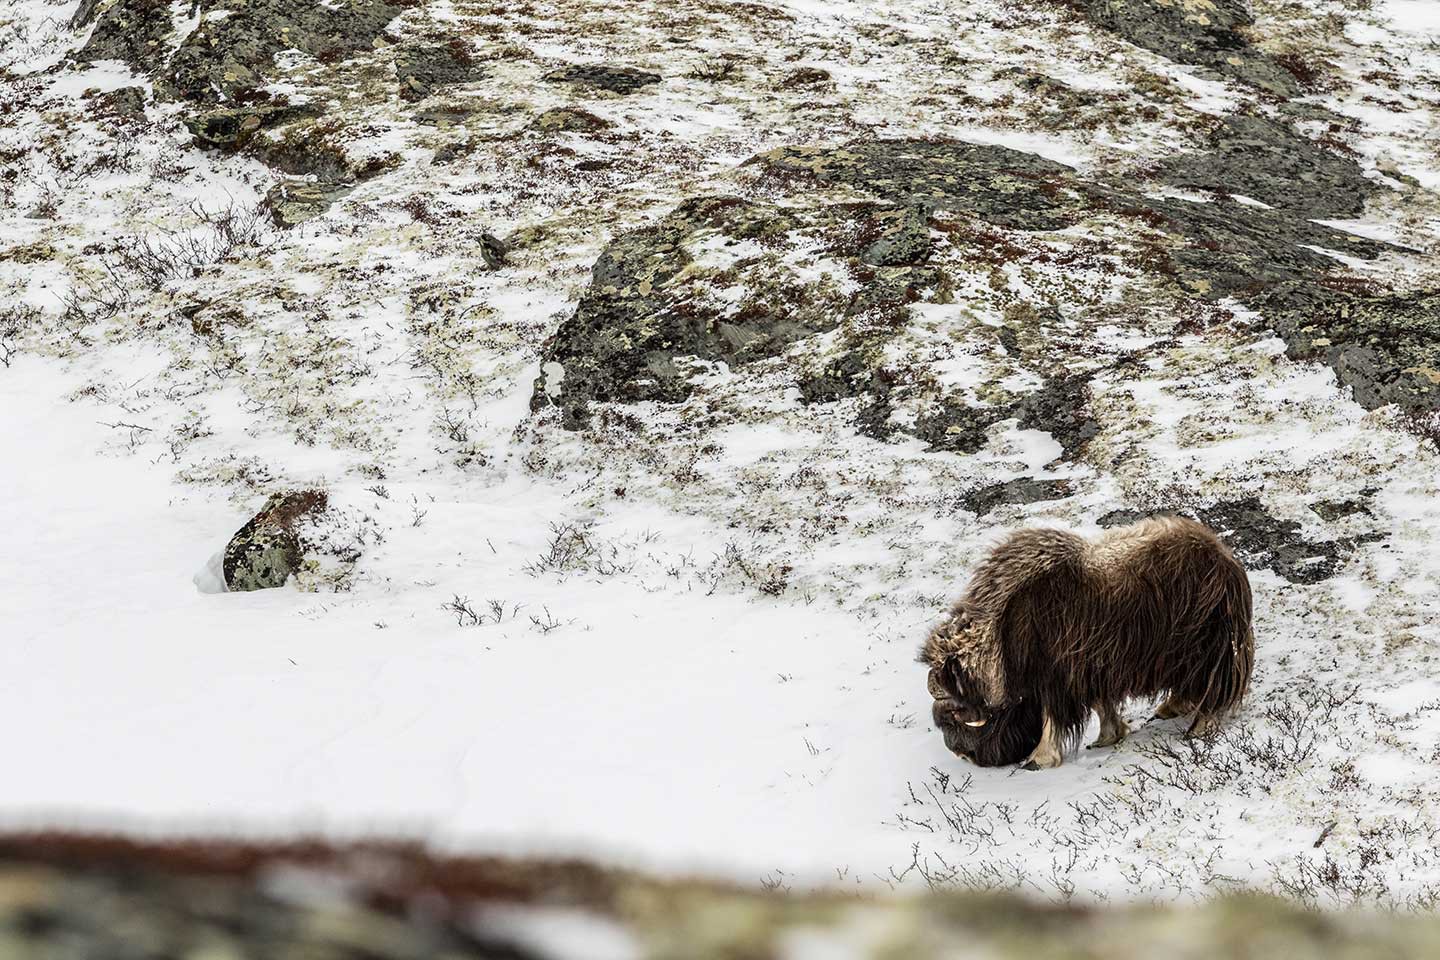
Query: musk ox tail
x=1227, y=638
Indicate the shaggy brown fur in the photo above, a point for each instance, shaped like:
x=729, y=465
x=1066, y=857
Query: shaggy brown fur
x=1052, y=626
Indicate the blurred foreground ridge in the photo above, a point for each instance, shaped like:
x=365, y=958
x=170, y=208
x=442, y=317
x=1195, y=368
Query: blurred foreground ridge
x=91, y=897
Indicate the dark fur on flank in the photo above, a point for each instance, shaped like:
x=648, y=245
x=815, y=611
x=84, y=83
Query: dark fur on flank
x=1052, y=626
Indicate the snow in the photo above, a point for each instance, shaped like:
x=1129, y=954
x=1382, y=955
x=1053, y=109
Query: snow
x=1413, y=16
x=617, y=734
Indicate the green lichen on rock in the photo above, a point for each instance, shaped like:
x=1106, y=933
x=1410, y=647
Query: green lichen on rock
x=1060, y=407
x=649, y=304
x=130, y=30
x=232, y=51
x=568, y=120
x=1230, y=249
x=292, y=202
x=269, y=548
x=230, y=128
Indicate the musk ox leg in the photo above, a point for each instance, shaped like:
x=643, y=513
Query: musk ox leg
x=1204, y=726
x=1047, y=754
x=1113, y=728
x=1173, y=707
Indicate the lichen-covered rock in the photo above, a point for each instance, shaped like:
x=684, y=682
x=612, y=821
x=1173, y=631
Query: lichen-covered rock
x=653, y=298
x=617, y=80
x=130, y=30
x=656, y=295
x=1385, y=347
x=904, y=238
x=269, y=548
x=231, y=54
x=1005, y=187
x=1200, y=32
x=230, y=128
x=1230, y=249
x=1020, y=491
x=1263, y=541
x=292, y=202
x=568, y=120
x=421, y=70
x=124, y=104
x=1267, y=160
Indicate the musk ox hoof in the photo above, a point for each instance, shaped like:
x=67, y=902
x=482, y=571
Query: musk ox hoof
x=1172, y=708
x=1204, y=727
x=1110, y=741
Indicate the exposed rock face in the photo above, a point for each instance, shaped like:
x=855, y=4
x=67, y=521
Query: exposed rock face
x=1386, y=348
x=1061, y=407
x=1021, y=491
x=220, y=67
x=130, y=30
x=424, y=69
x=1206, y=33
x=229, y=56
x=568, y=120
x=230, y=128
x=1261, y=540
x=292, y=202
x=651, y=297
x=232, y=51
x=1005, y=187
x=1267, y=160
x=269, y=548
x=640, y=313
x=617, y=80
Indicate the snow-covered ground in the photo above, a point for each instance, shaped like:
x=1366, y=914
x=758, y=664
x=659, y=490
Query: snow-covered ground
x=690, y=647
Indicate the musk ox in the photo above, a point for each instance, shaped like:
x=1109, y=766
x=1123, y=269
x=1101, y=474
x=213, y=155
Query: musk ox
x=1052, y=626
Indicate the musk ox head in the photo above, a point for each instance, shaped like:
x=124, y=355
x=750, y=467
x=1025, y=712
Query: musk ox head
x=971, y=711
x=987, y=735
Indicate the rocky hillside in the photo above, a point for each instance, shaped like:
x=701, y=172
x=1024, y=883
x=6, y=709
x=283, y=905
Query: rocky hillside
x=634, y=381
